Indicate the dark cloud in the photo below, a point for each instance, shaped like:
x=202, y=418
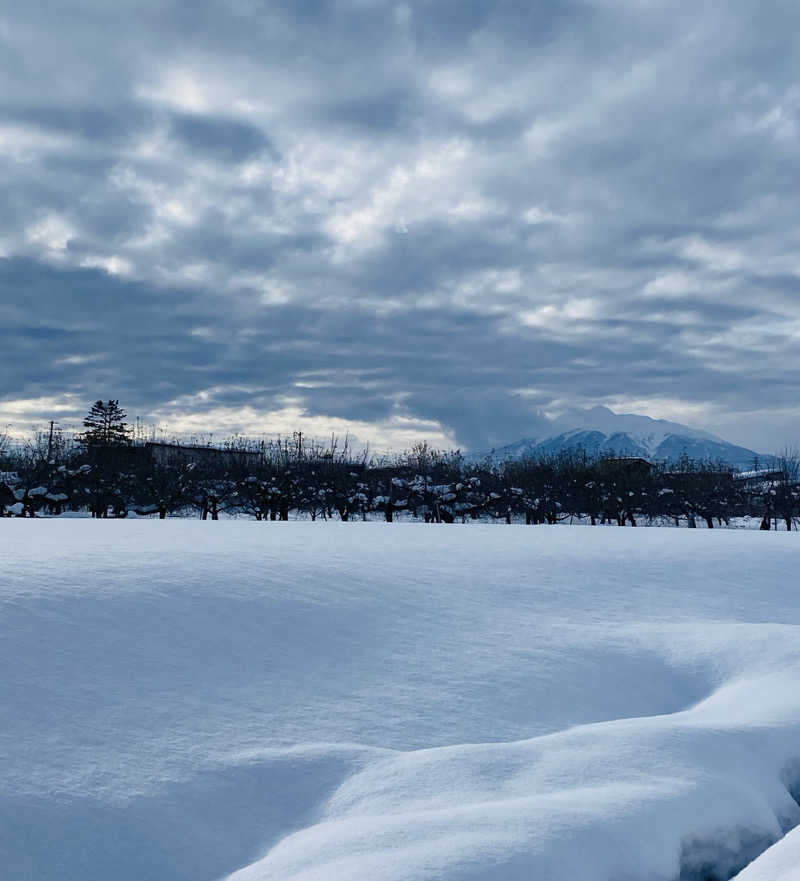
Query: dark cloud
x=446, y=217
x=91, y=123
x=224, y=139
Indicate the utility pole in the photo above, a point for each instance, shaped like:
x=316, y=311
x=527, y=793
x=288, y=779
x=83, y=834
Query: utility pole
x=50, y=441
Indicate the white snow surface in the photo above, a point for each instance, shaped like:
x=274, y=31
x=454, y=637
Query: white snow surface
x=780, y=863
x=341, y=702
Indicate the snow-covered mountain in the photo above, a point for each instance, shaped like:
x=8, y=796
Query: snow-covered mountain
x=600, y=430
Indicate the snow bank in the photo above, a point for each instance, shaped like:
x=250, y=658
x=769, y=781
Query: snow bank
x=779, y=863
x=350, y=701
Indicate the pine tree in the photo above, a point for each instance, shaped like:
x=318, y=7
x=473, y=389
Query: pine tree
x=105, y=425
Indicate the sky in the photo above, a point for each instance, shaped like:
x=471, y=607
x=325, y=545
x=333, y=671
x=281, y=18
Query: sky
x=442, y=221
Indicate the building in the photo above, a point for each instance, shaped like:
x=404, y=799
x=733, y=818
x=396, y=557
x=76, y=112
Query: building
x=174, y=454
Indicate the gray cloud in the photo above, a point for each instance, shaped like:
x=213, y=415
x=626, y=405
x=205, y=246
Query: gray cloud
x=224, y=139
x=439, y=217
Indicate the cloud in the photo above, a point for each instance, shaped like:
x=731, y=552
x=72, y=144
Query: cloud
x=445, y=217
x=223, y=139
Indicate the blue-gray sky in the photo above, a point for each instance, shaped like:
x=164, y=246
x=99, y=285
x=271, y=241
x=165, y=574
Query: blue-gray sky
x=407, y=220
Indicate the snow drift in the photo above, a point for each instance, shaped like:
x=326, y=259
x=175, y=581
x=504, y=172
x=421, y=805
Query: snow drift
x=190, y=700
x=779, y=863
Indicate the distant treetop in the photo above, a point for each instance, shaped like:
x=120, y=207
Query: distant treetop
x=105, y=425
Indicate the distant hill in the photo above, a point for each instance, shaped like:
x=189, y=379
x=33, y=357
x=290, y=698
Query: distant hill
x=600, y=430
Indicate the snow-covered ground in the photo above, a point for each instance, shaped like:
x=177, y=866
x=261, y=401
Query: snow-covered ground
x=779, y=863
x=341, y=702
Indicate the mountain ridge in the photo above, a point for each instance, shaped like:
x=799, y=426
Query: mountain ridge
x=601, y=431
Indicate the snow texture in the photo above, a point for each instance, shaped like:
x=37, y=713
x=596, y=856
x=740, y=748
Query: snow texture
x=779, y=863
x=340, y=702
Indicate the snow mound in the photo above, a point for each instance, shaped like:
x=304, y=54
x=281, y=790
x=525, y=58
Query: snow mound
x=301, y=702
x=692, y=795
x=780, y=863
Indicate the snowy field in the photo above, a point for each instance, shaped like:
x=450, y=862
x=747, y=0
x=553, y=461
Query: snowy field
x=370, y=702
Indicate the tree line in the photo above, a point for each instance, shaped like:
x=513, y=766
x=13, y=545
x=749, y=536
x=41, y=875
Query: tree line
x=105, y=472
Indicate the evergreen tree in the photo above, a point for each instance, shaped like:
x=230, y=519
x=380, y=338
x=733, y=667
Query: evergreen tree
x=105, y=425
